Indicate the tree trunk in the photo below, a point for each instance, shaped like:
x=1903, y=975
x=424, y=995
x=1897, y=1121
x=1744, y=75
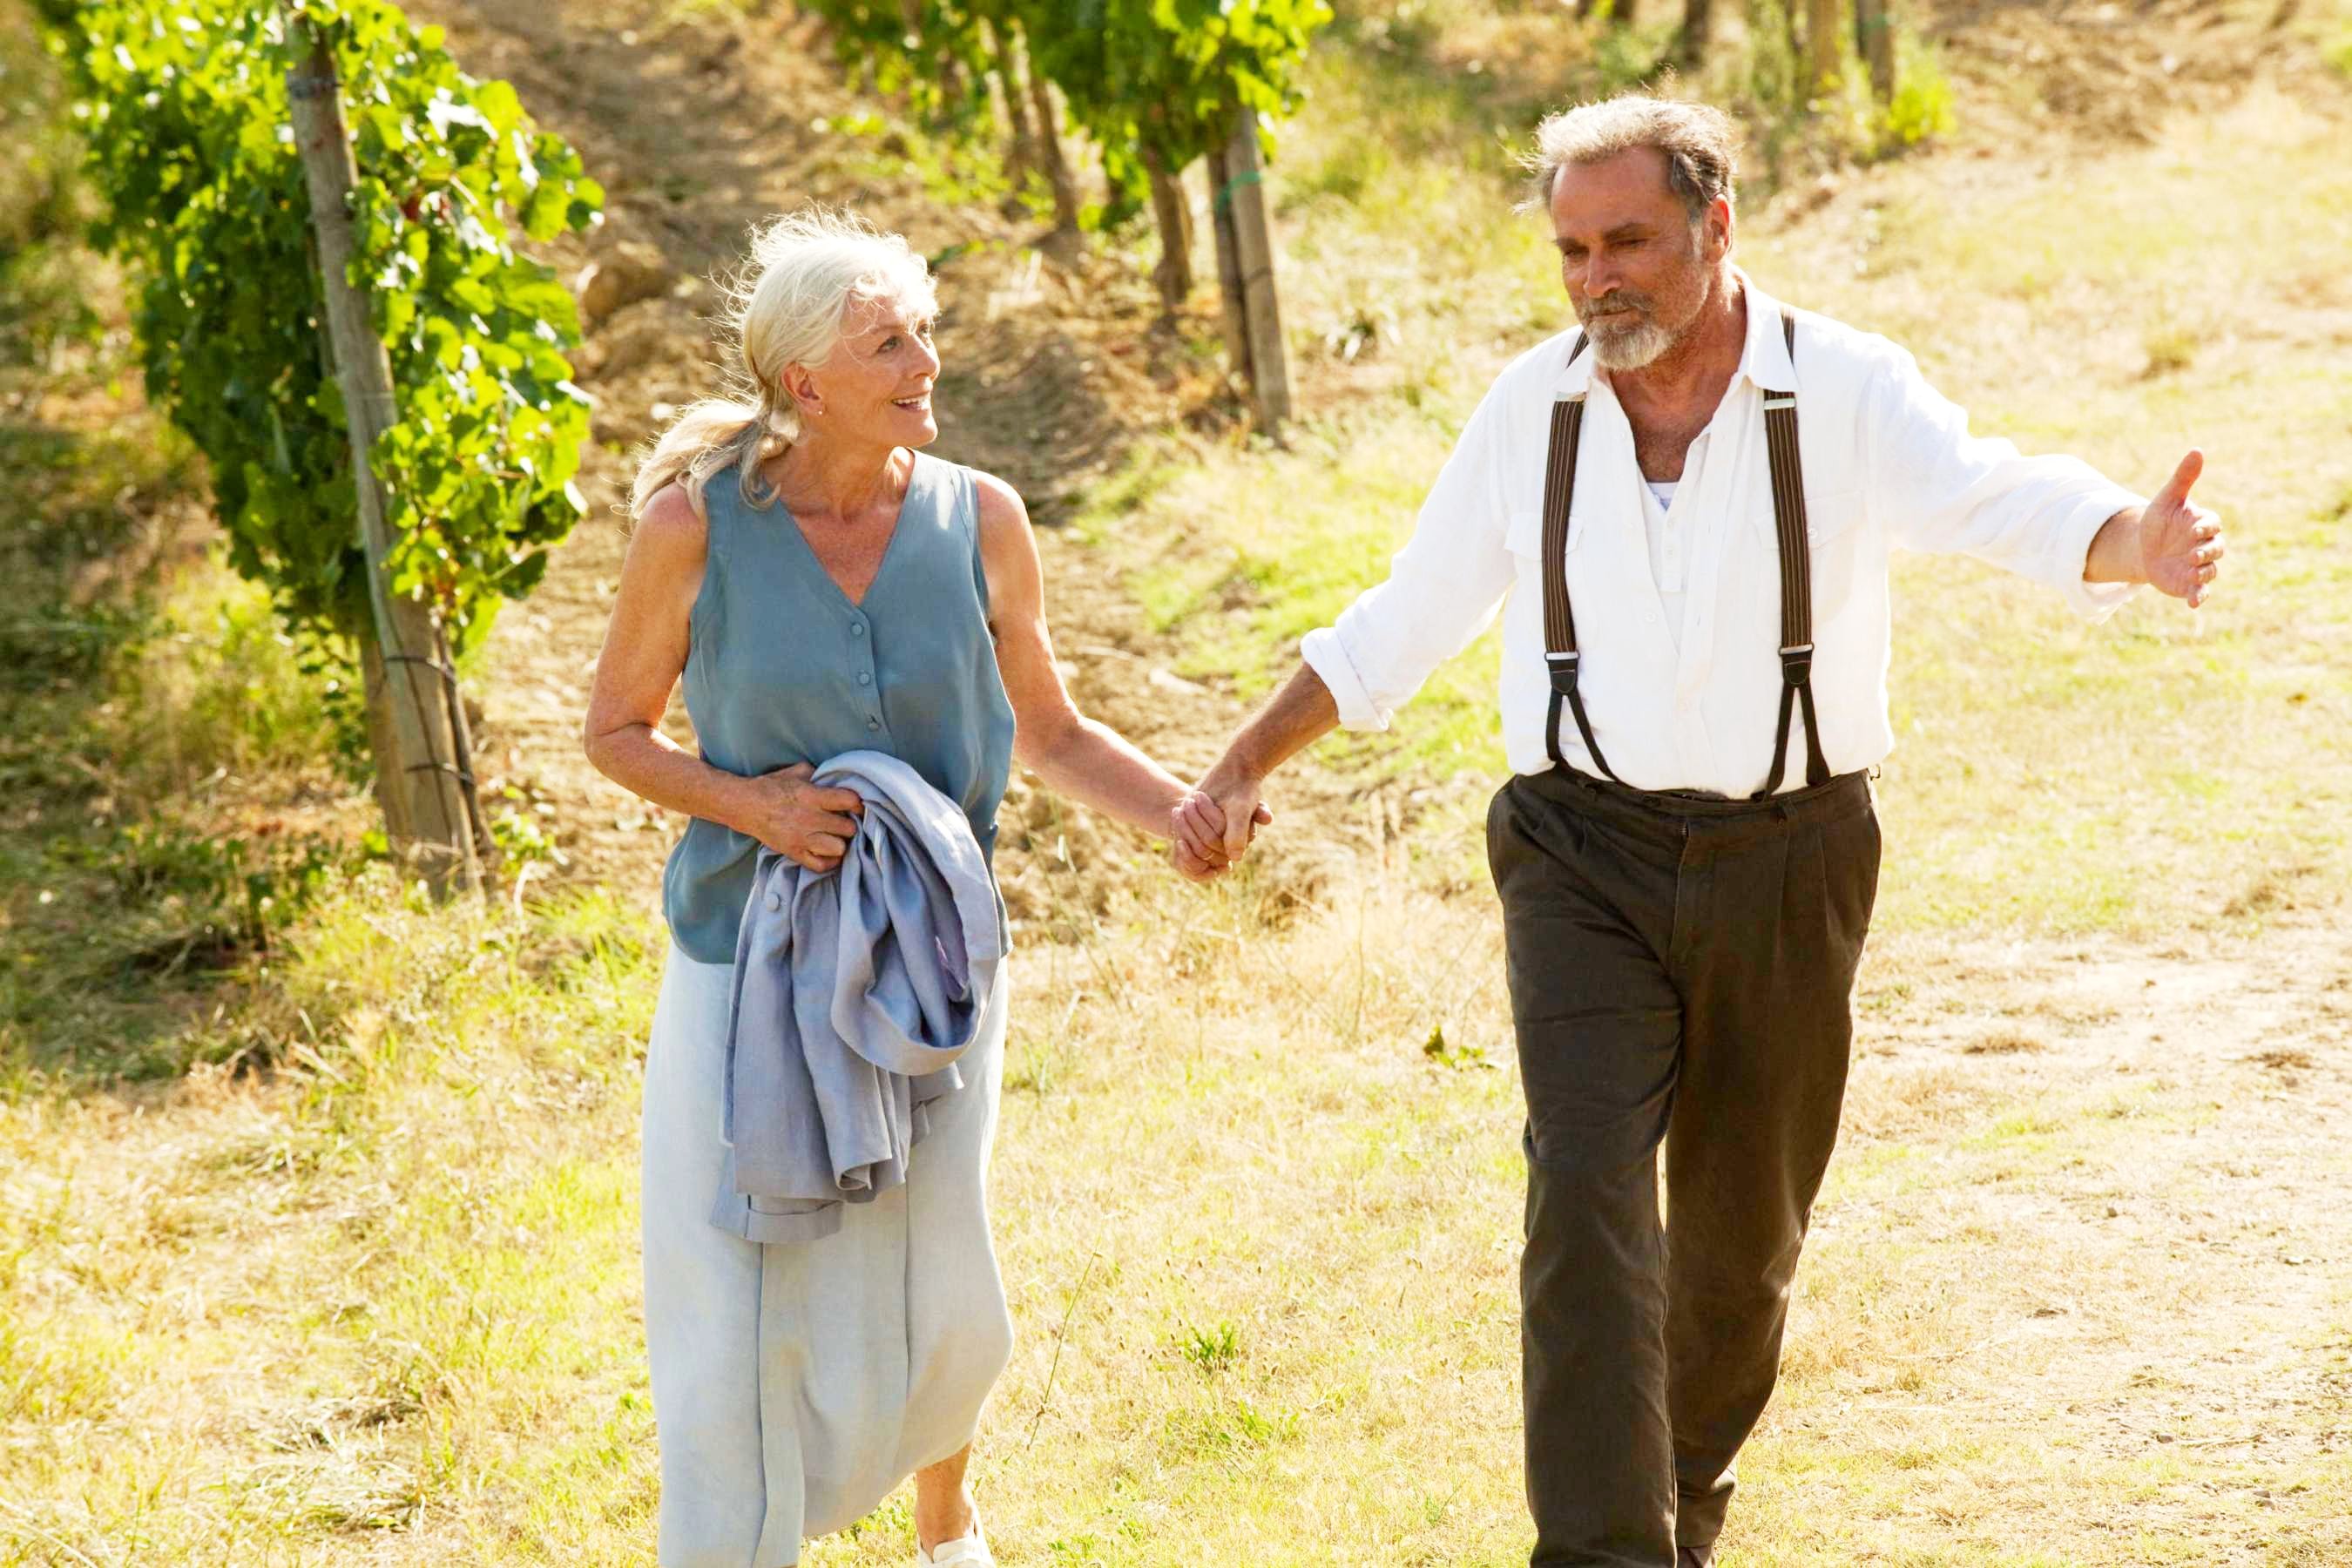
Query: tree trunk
x=1173, y=215
x=424, y=775
x=1049, y=150
x=1873, y=41
x=1235, y=312
x=1253, y=248
x=1010, y=91
x=1823, y=40
x=1690, y=48
x=955, y=87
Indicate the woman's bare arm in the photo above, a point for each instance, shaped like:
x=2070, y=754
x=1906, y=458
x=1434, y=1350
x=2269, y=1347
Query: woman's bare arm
x=646, y=646
x=1075, y=755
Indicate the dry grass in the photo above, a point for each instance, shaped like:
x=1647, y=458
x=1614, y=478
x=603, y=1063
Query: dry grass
x=352, y=1279
x=2176, y=767
x=383, y=1307
x=271, y=1319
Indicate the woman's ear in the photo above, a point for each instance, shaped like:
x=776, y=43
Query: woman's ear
x=800, y=389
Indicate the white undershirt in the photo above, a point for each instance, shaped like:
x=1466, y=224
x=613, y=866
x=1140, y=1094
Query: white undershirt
x=1666, y=550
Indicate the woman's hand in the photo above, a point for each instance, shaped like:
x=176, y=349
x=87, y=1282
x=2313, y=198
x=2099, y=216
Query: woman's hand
x=1219, y=820
x=1183, y=853
x=806, y=822
x=1213, y=826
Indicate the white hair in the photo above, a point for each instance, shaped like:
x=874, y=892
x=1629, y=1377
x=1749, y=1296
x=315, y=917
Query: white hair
x=786, y=306
x=1700, y=143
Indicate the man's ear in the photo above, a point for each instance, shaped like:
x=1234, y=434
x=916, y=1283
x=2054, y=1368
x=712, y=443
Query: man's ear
x=1718, y=227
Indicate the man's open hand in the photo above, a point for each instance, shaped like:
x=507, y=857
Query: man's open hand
x=2180, y=542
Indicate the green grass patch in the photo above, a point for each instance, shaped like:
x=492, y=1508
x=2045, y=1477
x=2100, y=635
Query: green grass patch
x=435, y=1208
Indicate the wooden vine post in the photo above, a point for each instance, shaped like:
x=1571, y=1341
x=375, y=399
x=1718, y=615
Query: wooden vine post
x=1690, y=44
x=1172, y=214
x=1242, y=193
x=1010, y=91
x=1049, y=148
x=1873, y=41
x=416, y=718
x=1824, y=59
x=1234, y=310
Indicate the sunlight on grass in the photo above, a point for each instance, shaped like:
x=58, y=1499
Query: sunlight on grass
x=439, y=1217
x=2164, y=768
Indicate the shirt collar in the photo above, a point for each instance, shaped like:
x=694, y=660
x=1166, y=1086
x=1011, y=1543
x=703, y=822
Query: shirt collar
x=1763, y=359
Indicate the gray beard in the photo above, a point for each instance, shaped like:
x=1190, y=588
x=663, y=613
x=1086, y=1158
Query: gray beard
x=1621, y=345
x=1635, y=338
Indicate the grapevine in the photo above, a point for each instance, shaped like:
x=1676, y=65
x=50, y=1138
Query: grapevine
x=183, y=104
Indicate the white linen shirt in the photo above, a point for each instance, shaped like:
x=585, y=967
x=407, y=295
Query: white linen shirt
x=1887, y=462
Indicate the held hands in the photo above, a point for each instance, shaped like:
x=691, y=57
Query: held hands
x=807, y=822
x=2180, y=543
x=1212, y=826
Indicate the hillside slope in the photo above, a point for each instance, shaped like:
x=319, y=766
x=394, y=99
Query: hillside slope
x=1057, y=378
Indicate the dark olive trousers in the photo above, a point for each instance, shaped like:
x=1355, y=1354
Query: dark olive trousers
x=1680, y=972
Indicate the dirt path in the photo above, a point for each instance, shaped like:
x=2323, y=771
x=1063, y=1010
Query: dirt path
x=1055, y=369
x=2138, y=1138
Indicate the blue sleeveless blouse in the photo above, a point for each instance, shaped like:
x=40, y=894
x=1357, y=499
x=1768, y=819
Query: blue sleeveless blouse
x=782, y=669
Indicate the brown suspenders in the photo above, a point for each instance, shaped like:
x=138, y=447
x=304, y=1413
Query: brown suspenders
x=1560, y=655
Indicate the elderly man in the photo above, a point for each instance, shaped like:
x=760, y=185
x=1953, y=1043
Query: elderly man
x=1695, y=497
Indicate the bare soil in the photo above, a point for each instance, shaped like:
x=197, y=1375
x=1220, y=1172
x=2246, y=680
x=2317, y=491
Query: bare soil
x=1056, y=363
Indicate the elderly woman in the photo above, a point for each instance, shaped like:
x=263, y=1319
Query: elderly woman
x=822, y=587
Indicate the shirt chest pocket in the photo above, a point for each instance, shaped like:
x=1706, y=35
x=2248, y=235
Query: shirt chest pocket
x=1833, y=537
x=1523, y=537
x=1523, y=534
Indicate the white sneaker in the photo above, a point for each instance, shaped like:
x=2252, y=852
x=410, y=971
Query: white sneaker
x=964, y=1552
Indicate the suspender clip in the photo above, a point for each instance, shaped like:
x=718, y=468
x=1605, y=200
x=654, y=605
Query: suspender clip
x=1797, y=664
x=1563, y=672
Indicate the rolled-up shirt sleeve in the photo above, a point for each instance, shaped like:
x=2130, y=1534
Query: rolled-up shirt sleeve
x=1442, y=590
x=1944, y=490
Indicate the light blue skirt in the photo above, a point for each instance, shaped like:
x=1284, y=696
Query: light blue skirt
x=795, y=1387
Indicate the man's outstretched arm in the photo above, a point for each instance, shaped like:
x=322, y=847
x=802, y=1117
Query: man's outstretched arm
x=1216, y=820
x=2054, y=519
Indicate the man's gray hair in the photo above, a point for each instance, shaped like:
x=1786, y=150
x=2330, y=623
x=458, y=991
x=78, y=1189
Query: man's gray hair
x=1700, y=145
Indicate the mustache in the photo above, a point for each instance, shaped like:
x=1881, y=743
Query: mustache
x=1624, y=301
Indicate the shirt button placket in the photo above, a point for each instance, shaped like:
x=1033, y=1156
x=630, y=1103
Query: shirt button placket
x=865, y=657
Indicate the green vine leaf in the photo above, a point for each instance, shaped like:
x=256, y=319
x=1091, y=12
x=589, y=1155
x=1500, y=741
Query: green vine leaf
x=183, y=103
